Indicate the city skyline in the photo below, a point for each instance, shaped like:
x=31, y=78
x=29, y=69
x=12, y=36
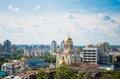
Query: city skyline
x=41, y=21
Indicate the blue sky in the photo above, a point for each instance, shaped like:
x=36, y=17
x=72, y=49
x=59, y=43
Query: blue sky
x=41, y=21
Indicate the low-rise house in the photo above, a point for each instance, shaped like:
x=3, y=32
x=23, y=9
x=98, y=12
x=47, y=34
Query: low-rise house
x=14, y=66
x=25, y=75
x=49, y=70
x=86, y=67
x=28, y=75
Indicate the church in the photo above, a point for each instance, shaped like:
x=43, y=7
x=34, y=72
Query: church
x=69, y=55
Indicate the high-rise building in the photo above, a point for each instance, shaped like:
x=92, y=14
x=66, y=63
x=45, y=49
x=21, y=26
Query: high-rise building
x=62, y=45
x=7, y=46
x=13, y=48
x=53, y=47
x=1, y=48
x=104, y=47
x=105, y=58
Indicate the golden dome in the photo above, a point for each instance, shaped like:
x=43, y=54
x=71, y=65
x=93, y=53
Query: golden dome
x=68, y=40
x=77, y=49
x=62, y=62
x=58, y=50
x=23, y=59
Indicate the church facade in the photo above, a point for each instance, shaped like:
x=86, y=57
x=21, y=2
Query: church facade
x=69, y=55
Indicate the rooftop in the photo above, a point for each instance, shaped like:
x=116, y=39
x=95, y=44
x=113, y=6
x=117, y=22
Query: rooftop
x=78, y=64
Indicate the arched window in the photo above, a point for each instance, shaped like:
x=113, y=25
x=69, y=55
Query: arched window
x=67, y=46
x=62, y=58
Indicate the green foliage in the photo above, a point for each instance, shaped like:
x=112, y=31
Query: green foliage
x=110, y=74
x=65, y=73
x=88, y=75
x=80, y=76
x=3, y=60
x=19, y=51
x=16, y=56
x=42, y=75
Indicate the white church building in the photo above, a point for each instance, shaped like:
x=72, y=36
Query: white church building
x=69, y=55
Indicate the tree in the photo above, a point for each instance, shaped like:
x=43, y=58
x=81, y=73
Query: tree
x=110, y=74
x=64, y=72
x=88, y=75
x=16, y=56
x=42, y=75
x=80, y=75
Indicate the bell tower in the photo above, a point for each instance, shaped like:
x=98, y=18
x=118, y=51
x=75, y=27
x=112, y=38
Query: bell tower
x=68, y=43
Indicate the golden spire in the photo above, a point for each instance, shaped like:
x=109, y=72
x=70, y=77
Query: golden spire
x=68, y=40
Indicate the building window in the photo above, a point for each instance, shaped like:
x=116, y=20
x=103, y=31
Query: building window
x=93, y=50
x=71, y=46
x=85, y=50
x=62, y=58
x=75, y=58
x=67, y=46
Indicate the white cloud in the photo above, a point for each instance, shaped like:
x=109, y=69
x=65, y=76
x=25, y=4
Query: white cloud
x=83, y=28
x=13, y=8
x=36, y=7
